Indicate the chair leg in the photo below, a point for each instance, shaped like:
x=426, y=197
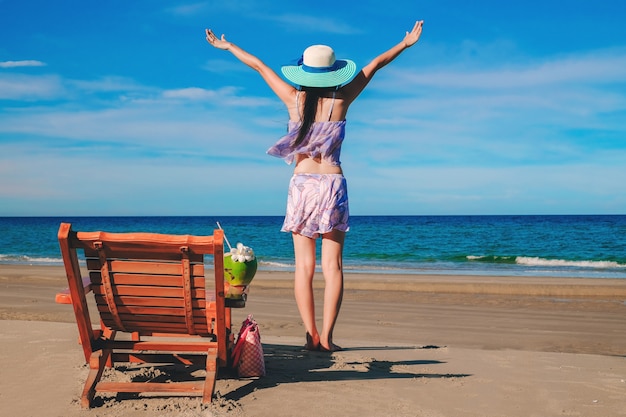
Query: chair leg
x=211, y=375
x=97, y=362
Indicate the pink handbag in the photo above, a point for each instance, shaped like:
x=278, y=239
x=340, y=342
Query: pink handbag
x=248, y=352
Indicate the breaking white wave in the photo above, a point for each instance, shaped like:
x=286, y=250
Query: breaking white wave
x=29, y=260
x=535, y=261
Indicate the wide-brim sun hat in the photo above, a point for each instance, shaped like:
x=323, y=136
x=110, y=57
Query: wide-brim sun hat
x=318, y=67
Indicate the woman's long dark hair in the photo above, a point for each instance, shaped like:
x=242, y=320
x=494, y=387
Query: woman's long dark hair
x=312, y=98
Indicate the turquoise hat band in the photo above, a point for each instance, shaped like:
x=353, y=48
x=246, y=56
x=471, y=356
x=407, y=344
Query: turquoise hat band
x=342, y=71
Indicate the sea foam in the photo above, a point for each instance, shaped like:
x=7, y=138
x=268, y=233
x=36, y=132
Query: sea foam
x=535, y=261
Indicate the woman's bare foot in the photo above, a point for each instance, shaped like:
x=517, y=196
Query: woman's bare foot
x=332, y=348
x=312, y=343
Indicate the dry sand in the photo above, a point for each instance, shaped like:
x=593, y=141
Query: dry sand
x=414, y=346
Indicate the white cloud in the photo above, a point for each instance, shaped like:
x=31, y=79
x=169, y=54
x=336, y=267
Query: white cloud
x=224, y=66
x=108, y=84
x=190, y=9
x=313, y=24
x=216, y=7
x=30, y=87
x=191, y=93
x=603, y=67
x=25, y=63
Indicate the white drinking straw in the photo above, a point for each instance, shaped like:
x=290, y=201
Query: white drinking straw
x=225, y=238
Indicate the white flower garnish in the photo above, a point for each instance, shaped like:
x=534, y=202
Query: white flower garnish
x=242, y=253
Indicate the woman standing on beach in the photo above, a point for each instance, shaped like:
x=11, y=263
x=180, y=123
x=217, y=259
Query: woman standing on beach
x=318, y=198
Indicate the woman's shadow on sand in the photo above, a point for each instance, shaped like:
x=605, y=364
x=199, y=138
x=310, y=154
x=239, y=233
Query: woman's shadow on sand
x=286, y=364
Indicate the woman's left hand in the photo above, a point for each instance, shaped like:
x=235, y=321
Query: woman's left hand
x=413, y=36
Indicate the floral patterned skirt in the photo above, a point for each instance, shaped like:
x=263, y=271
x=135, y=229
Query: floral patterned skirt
x=317, y=204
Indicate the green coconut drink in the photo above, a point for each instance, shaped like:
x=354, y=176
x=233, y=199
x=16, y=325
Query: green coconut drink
x=240, y=266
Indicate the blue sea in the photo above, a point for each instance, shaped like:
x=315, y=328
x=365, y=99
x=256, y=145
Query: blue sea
x=553, y=246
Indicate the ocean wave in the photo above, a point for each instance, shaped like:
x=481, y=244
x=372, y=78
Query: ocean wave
x=495, y=259
x=23, y=259
x=536, y=261
x=271, y=265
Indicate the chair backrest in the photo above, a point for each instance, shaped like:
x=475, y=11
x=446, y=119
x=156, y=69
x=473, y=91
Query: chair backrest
x=147, y=282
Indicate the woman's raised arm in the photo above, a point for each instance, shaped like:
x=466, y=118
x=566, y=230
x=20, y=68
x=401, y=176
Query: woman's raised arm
x=357, y=85
x=282, y=89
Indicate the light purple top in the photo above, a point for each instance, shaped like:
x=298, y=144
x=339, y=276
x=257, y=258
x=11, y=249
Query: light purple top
x=323, y=141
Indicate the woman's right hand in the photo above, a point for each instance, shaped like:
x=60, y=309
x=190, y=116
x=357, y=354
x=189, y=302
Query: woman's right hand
x=219, y=43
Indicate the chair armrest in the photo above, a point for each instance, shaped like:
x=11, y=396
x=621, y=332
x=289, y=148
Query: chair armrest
x=64, y=297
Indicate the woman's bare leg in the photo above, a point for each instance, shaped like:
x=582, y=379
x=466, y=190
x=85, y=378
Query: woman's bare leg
x=332, y=267
x=304, y=251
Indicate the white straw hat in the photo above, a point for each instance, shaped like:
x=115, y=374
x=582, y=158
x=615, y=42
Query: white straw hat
x=319, y=68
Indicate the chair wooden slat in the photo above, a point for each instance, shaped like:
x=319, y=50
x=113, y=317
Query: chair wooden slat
x=159, y=323
x=198, y=303
x=151, y=311
x=149, y=268
x=191, y=388
x=150, y=291
x=148, y=328
x=123, y=278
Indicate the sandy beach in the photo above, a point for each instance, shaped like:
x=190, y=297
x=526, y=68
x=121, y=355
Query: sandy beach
x=413, y=346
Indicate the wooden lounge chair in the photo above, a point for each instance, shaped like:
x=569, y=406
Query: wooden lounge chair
x=150, y=292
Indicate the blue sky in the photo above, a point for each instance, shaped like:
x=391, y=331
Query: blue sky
x=122, y=108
